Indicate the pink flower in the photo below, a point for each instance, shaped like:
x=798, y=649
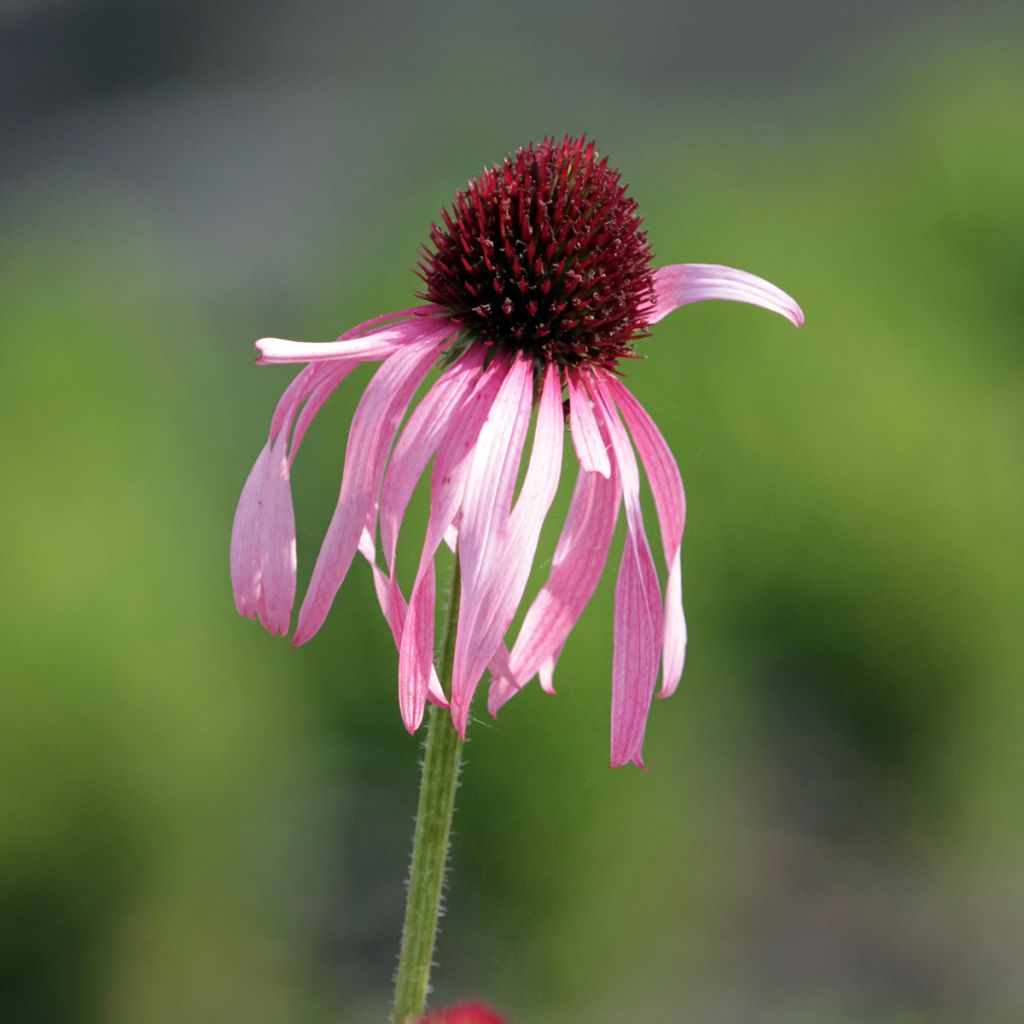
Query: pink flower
x=468, y=1013
x=537, y=284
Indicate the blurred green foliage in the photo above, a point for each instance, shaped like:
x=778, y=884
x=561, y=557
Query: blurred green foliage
x=200, y=824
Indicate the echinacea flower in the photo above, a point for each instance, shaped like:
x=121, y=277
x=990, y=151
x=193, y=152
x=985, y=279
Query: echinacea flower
x=468, y=1013
x=537, y=285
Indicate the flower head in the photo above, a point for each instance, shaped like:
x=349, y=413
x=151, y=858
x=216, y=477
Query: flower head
x=544, y=256
x=537, y=284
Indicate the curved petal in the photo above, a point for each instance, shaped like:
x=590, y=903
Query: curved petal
x=263, y=542
x=263, y=532
x=497, y=545
x=670, y=502
x=638, y=613
x=590, y=446
x=426, y=429
x=683, y=283
x=376, y=344
x=370, y=436
x=576, y=568
x=393, y=606
x=416, y=651
x=486, y=507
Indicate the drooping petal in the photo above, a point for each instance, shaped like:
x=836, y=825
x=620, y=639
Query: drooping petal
x=486, y=507
x=578, y=562
x=670, y=502
x=263, y=533
x=498, y=545
x=487, y=502
x=590, y=446
x=393, y=606
x=427, y=427
x=246, y=562
x=638, y=614
x=448, y=477
x=263, y=542
x=635, y=659
x=372, y=432
x=683, y=283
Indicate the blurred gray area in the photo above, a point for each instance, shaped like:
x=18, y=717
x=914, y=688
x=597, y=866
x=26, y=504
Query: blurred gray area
x=240, y=123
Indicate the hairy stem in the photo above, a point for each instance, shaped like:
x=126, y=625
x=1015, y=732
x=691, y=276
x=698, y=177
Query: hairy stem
x=442, y=755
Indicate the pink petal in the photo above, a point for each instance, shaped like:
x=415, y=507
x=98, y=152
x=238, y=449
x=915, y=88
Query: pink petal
x=455, y=459
x=638, y=614
x=497, y=546
x=486, y=508
x=316, y=378
x=263, y=542
x=393, y=606
x=416, y=654
x=546, y=673
x=426, y=429
x=682, y=283
x=263, y=533
x=416, y=649
x=372, y=432
x=586, y=438
x=670, y=501
x=487, y=502
x=635, y=659
x=576, y=568
x=378, y=344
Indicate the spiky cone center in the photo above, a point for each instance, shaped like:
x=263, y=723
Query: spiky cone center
x=544, y=254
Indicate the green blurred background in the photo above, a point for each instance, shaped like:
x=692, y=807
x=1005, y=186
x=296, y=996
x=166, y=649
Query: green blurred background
x=199, y=824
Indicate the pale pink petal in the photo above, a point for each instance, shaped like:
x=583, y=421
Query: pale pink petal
x=426, y=429
x=636, y=655
x=370, y=437
x=546, y=673
x=393, y=606
x=448, y=477
x=670, y=502
x=263, y=542
x=486, y=507
x=487, y=502
x=263, y=533
x=502, y=549
x=377, y=344
x=454, y=460
x=682, y=283
x=586, y=438
x=416, y=649
x=246, y=562
x=576, y=568
x=638, y=613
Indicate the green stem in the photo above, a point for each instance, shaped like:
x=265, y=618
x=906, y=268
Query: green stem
x=441, y=758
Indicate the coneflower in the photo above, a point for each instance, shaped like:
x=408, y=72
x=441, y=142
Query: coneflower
x=536, y=286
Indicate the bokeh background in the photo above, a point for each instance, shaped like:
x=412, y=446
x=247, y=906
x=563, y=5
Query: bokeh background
x=200, y=824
